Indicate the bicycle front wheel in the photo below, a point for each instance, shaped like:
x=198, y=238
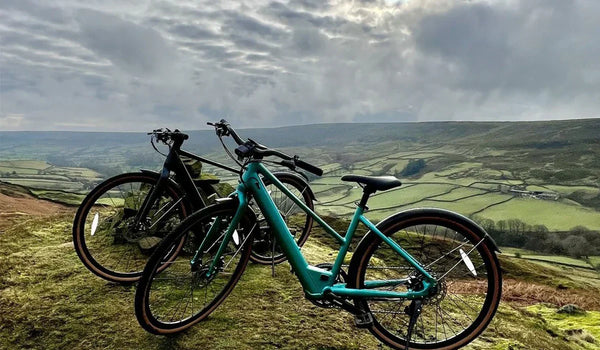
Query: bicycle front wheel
x=107, y=237
x=452, y=249
x=187, y=291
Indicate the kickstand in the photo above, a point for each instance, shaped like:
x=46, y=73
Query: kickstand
x=273, y=258
x=414, y=310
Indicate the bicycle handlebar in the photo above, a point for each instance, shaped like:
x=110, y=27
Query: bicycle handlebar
x=309, y=167
x=165, y=135
x=251, y=148
x=223, y=128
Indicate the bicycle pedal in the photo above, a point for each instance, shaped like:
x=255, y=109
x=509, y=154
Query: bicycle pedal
x=364, y=320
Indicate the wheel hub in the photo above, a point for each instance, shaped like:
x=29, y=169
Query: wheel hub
x=437, y=293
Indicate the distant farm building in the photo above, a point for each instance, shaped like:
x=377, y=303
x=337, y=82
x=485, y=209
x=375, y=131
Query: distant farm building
x=544, y=195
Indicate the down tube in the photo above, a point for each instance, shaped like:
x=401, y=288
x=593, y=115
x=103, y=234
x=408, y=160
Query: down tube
x=309, y=276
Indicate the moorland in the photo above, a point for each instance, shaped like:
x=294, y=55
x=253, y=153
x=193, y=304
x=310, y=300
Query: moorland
x=535, y=186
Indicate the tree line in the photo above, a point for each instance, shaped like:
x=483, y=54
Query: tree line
x=578, y=242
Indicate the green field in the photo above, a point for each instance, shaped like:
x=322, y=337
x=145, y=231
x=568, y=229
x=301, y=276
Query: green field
x=476, y=169
x=556, y=215
x=531, y=255
x=458, y=193
x=62, y=184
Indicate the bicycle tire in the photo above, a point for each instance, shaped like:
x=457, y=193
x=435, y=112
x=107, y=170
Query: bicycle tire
x=299, y=223
x=160, y=296
x=92, y=235
x=466, y=298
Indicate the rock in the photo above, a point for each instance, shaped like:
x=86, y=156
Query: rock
x=574, y=331
x=147, y=244
x=571, y=309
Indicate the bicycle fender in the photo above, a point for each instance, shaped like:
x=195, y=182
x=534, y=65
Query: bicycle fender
x=146, y=171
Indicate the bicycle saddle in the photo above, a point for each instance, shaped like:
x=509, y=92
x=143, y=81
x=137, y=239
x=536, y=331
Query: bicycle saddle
x=374, y=183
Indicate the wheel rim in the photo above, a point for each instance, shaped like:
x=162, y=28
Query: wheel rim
x=110, y=237
x=183, y=294
x=462, y=301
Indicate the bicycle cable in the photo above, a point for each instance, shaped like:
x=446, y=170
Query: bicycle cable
x=229, y=152
x=154, y=146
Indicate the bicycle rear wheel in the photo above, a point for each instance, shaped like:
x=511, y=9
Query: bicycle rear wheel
x=452, y=249
x=105, y=234
x=184, y=293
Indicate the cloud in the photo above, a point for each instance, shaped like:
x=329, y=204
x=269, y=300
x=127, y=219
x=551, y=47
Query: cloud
x=134, y=48
x=11, y=121
x=134, y=66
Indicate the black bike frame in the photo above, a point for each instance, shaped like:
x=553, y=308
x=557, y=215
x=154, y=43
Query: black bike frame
x=173, y=163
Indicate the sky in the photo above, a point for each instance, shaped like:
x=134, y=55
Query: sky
x=135, y=65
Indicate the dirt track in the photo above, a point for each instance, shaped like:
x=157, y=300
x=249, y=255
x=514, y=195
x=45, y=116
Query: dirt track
x=22, y=205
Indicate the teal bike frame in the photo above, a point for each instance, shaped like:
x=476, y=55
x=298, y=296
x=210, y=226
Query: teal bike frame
x=316, y=282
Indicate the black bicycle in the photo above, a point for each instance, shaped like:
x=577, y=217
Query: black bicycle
x=122, y=220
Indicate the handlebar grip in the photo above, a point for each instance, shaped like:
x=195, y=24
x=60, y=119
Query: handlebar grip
x=309, y=167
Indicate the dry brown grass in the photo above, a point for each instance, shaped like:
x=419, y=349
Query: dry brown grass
x=19, y=205
x=528, y=293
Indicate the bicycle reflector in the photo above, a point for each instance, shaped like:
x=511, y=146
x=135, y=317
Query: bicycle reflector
x=236, y=237
x=95, y=224
x=468, y=262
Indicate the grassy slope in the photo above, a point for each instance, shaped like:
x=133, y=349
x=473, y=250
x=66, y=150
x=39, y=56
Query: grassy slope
x=50, y=301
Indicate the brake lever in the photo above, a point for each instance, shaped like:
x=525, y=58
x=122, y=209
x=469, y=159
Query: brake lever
x=289, y=164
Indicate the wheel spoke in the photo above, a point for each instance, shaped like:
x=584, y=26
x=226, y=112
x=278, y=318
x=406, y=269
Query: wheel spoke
x=183, y=292
x=114, y=251
x=454, y=303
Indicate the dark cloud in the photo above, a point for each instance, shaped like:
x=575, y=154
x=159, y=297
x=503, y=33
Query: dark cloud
x=535, y=47
x=240, y=23
x=135, y=48
x=37, y=9
x=121, y=65
x=192, y=32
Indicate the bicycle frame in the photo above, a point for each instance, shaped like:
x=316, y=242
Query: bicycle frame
x=316, y=282
x=173, y=163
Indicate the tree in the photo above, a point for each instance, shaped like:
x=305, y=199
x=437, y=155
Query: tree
x=488, y=224
x=501, y=226
x=413, y=167
x=577, y=246
x=540, y=229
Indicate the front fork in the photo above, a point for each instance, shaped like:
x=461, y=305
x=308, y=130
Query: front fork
x=151, y=198
x=212, y=236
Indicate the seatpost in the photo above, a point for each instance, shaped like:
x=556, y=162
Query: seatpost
x=365, y=197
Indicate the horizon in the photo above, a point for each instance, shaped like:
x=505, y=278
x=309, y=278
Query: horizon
x=315, y=124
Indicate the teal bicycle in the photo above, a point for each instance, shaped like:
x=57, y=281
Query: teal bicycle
x=420, y=279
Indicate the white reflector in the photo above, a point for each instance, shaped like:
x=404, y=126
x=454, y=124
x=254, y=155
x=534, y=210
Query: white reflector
x=95, y=224
x=468, y=262
x=236, y=237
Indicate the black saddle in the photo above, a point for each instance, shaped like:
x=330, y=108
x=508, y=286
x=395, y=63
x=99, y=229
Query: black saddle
x=374, y=183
